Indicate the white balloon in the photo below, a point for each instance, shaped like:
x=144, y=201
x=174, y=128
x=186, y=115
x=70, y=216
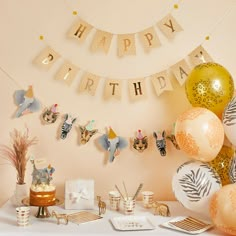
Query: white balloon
x=229, y=121
x=193, y=184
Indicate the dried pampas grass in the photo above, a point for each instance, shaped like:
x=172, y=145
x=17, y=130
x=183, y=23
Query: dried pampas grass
x=17, y=153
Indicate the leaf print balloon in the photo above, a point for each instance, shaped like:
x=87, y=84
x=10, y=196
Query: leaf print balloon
x=193, y=185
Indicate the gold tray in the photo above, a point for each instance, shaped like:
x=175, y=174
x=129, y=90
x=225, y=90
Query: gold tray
x=59, y=201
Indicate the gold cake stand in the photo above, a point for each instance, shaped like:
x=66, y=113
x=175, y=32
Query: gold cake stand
x=42, y=210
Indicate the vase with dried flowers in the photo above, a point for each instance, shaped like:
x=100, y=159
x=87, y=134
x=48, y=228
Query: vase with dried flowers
x=16, y=155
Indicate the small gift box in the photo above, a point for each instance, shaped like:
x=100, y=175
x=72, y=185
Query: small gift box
x=79, y=194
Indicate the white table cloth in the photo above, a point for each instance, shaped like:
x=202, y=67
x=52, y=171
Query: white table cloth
x=48, y=226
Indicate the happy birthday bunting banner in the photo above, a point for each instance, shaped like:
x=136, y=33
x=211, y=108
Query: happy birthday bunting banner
x=149, y=39
x=181, y=71
x=101, y=41
x=169, y=26
x=89, y=83
x=66, y=73
x=80, y=30
x=199, y=56
x=137, y=89
x=126, y=44
x=112, y=89
x=161, y=82
x=46, y=58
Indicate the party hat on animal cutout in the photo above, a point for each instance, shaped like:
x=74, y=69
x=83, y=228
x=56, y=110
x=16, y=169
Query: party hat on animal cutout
x=54, y=108
x=29, y=93
x=111, y=134
x=89, y=126
x=139, y=136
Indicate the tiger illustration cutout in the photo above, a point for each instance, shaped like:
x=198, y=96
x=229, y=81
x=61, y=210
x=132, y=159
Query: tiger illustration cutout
x=140, y=143
x=50, y=115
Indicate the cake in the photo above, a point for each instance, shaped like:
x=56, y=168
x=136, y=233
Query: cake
x=42, y=195
x=42, y=191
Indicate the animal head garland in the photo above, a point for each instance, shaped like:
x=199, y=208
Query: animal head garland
x=161, y=142
x=50, y=115
x=112, y=143
x=87, y=132
x=140, y=143
x=172, y=138
x=26, y=102
x=67, y=125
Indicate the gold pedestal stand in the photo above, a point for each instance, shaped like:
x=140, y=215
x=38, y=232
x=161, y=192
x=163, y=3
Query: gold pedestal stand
x=42, y=210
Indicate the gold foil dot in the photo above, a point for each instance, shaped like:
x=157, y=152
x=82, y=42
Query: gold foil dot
x=41, y=37
x=207, y=37
x=176, y=6
x=75, y=12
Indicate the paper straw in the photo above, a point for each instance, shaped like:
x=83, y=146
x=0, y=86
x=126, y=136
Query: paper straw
x=127, y=196
x=119, y=191
x=137, y=192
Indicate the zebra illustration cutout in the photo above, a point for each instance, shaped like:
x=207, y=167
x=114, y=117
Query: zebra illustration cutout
x=161, y=142
x=67, y=125
x=229, y=115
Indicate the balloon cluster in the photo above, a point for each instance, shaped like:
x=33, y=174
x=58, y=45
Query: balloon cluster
x=200, y=133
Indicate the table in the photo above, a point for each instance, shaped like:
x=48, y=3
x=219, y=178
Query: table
x=48, y=226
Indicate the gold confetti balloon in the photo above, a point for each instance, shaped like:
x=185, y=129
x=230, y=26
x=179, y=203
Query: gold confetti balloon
x=222, y=209
x=221, y=163
x=211, y=86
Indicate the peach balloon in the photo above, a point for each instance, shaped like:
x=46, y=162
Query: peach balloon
x=199, y=133
x=223, y=209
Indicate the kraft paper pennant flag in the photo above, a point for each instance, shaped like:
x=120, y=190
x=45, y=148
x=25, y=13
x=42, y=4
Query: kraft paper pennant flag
x=126, y=45
x=79, y=30
x=181, y=71
x=101, y=41
x=199, y=56
x=89, y=83
x=137, y=89
x=66, y=73
x=149, y=39
x=161, y=82
x=46, y=58
x=112, y=89
x=169, y=26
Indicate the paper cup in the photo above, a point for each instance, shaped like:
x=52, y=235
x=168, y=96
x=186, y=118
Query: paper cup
x=22, y=215
x=129, y=205
x=147, y=198
x=114, y=198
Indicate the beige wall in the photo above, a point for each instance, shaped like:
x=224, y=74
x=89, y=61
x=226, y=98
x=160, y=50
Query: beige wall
x=21, y=23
